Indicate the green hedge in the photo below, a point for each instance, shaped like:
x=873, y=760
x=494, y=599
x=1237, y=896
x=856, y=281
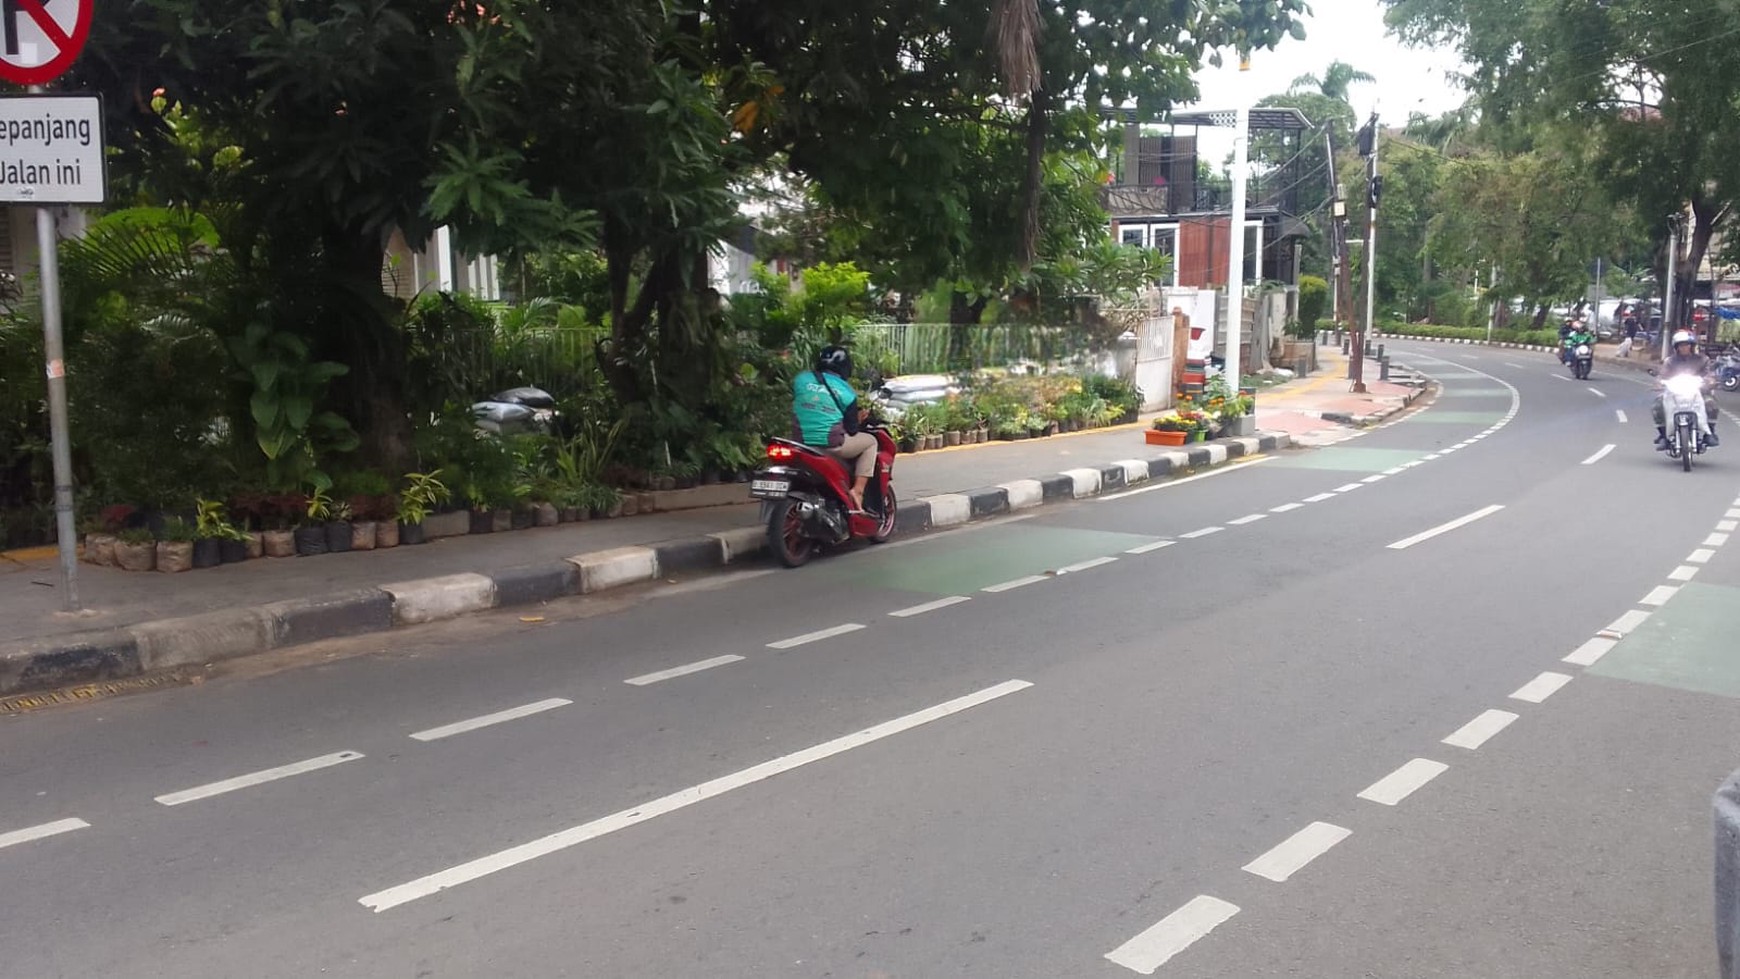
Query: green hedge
x=1539, y=338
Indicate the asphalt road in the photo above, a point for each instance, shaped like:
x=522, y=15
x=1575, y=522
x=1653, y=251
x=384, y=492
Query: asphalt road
x=1198, y=728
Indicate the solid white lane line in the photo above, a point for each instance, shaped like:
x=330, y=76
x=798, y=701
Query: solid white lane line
x=1253, y=518
x=257, y=778
x=941, y=603
x=1659, y=595
x=1296, y=851
x=1319, y=498
x=1622, y=417
x=1700, y=556
x=1480, y=730
x=1715, y=540
x=1150, y=548
x=1380, y=477
x=1597, y=457
x=1348, y=488
x=677, y=671
x=1401, y=783
x=1204, y=532
x=511, y=714
x=513, y=856
x=1726, y=526
x=997, y=589
x=1087, y=565
x=30, y=833
x=1541, y=687
x=1623, y=625
x=1176, y=932
x=1168, y=484
x=1459, y=522
x=1597, y=392
x=1286, y=508
x=1591, y=651
x=1685, y=572
x=816, y=636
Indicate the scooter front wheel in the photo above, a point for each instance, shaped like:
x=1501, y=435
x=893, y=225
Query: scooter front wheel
x=1688, y=435
x=786, y=537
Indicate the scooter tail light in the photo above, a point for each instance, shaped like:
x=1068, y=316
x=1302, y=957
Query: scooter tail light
x=779, y=453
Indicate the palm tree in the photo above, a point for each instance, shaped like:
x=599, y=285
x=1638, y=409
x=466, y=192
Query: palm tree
x=1335, y=82
x=1014, y=30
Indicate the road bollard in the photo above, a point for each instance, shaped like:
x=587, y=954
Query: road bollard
x=1728, y=877
x=1380, y=351
x=1345, y=348
x=1383, y=367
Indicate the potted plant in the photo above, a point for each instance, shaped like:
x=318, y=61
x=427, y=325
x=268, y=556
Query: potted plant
x=1169, y=430
x=175, y=550
x=383, y=511
x=135, y=550
x=422, y=494
x=99, y=544
x=338, y=528
x=211, y=529
x=311, y=534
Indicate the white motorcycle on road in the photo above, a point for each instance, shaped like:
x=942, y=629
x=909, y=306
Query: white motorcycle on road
x=1688, y=422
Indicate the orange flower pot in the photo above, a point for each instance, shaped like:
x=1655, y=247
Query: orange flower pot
x=1155, y=436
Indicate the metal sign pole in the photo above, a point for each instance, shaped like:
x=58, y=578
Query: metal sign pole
x=60, y=430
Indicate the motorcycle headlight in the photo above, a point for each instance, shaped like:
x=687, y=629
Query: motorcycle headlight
x=1583, y=350
x=1685, y=385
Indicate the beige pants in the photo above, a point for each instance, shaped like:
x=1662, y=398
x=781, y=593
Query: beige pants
x=860, y=448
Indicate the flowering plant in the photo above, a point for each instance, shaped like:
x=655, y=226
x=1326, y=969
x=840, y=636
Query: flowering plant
x=1185, y=420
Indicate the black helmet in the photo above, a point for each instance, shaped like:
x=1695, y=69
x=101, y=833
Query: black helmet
x=835, y=360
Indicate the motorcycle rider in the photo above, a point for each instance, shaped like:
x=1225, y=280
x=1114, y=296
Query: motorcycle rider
x=1579, y=334
x=1685, y=360
x=826, y=415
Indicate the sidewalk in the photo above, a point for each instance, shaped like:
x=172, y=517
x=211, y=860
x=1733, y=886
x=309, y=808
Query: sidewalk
x=1318, y=410
x=141, y=621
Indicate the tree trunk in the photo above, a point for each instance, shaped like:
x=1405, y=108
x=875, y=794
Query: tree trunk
x=1033, y=181
x=964, y=314
x=366, y=334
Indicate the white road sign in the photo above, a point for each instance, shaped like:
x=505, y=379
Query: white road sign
x=51, y=150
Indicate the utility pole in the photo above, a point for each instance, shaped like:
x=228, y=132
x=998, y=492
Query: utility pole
x=1235, y=275
x=1368, y=148
x=1673, y=273
x=1337, y=218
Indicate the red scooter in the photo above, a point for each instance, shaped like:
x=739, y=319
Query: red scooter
x=806, y=498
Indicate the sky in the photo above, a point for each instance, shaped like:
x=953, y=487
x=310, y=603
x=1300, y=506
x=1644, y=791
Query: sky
x=1408, y=79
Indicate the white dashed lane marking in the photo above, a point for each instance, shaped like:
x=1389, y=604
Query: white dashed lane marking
x=1403, y=782
x=1478, y=731
x=1298, y=850
x=1541, y=687
x=1173, y=934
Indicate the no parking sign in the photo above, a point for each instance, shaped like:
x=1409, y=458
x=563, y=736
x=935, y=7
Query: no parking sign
x=40, y=39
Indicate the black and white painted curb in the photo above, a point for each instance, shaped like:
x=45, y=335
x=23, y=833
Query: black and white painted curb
x=199, y=640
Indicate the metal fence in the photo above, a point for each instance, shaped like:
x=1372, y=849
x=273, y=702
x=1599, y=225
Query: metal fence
x=466, y=365
x=944, y=348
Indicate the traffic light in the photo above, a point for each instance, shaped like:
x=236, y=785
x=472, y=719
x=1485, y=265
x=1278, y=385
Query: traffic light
x=1367, y=137
x=1375, y=191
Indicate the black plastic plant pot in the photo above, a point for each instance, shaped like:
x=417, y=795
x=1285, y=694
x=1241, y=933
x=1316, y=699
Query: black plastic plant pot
x=229, y=552
x=207, y=553
x=310, y=541
x=338, y=536
x=412, y=533
x=482, y=522
x=523, y=519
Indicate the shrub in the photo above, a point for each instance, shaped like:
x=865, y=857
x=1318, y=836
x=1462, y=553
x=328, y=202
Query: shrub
x=1313, y=301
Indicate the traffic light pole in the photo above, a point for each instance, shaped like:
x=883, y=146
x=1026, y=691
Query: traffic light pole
x=1372, y=191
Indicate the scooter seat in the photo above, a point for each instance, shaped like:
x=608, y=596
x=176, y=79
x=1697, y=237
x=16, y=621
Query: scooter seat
x=819, y=460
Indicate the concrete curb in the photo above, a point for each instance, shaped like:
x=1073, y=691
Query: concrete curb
x=214, y=636
x=1728, y=877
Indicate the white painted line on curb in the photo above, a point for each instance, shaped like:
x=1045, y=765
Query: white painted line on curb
x=499, y=717
x=1591, y=651
x=1348, y=487
x=1287, y=508
x=1700, y=556
x=816, y=636
x=1623, y=625
x=1174, y=933
x=1401, y=783
x=1622, y=416
x=1296, y=851
x=30, y=833
x=1715, y=540
x=1480, y=730
x=677, y=671
x=1726, y=526
x=1150, y=548
x=1541, y=687
x=1445, y=528
x=1597, y=392
x=1319, y=498
x=257, y=778
x=941, y=603
x=1253, y=518
x=1597, y=457
x=1659, y=595
x=1685, y=572
x=1086, y=565
x=422, y=887
x=998, y=589
x=1168, y=484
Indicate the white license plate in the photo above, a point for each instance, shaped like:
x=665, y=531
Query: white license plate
x=779, y=486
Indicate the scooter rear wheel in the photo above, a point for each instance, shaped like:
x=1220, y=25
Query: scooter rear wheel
x=890, y=515
x=785, y=535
